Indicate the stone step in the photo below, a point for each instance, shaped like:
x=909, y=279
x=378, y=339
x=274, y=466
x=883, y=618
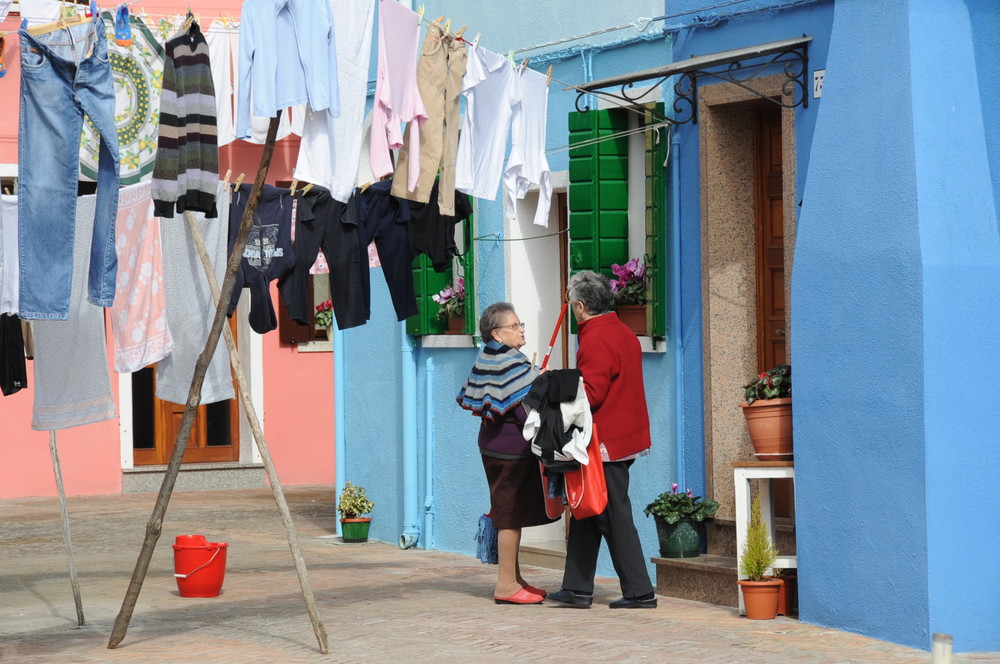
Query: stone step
x=548, y=554
x=707, y=578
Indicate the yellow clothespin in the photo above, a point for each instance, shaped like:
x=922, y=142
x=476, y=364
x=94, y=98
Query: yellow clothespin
x=420, y=13
x=305, y=189
x=460, y=33
x=229, y=172
x=548, y=76
x=365, y=186
x=291, y=190
x=447, y=26
x=475, y=42
x=524, y=65
x=239, y=181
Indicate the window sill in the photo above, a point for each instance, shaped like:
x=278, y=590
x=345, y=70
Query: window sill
x=318, y=346
x=653, y=344
x=448, y=341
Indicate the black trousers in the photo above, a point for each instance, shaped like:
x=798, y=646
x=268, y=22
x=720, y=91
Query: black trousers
x=615, y=525
x=319, y=223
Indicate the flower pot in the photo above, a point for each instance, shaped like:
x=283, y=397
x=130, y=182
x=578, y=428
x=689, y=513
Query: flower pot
x=455, y=326
x=760, y=598
x=786, y=594
x=678, y=540
x=355, y=530
x=633, y=316
x=769, y=422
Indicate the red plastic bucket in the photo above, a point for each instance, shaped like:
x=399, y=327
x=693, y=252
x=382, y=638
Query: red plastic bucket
x=199, y=566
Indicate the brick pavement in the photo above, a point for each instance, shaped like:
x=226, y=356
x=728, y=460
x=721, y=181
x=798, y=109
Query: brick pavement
x=378, y=603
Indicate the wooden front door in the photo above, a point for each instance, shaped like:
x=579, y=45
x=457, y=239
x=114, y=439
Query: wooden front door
x=770, y=211
x=215, y=434
x=771, y=333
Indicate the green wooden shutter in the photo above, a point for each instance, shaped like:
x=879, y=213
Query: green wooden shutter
x=427, y=282
x=656, y=257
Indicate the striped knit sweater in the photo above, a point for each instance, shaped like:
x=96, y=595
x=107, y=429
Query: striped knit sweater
x=499, y=380
x=186, y=173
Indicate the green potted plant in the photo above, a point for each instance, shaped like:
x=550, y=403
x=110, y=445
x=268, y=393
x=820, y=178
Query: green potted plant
x=629, y=288
x=760, y=588
x=678, y=517
x=352, y=506
x=768, y=411
x=451, y=305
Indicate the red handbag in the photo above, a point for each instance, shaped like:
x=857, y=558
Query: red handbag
x=586, y=488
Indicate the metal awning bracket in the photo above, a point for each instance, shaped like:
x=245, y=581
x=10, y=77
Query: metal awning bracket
x=740, y=67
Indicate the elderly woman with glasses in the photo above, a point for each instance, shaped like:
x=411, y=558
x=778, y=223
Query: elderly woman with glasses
x=499, y=381
x=610, y=359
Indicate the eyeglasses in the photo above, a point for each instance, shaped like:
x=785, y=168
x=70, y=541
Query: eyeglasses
x=512, y=326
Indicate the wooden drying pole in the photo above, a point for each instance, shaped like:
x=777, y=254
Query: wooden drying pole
x=73, y=580
x=258, y=435
x=155, y=525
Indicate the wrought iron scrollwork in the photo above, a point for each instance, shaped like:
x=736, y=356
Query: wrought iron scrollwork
x=793, y=63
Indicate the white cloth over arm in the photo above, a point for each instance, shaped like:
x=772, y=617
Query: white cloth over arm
x=527, y=164
x=492, y=88
x=397, y=99
x=331, y=147
x=9, y=257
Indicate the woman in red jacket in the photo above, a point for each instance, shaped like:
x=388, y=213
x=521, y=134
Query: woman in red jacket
x=610, y=359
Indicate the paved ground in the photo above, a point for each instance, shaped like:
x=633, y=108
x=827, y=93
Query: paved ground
x=378, y=603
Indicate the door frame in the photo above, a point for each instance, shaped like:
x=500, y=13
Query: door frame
x=250, y=350
x=728, y=269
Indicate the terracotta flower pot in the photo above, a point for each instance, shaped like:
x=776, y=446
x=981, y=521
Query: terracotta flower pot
x=455, y=326
x=760, y=598
x=633, y=316
x=769, y=422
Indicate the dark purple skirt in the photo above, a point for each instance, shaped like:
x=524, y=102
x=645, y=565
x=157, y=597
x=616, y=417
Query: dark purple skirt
x=515, y=492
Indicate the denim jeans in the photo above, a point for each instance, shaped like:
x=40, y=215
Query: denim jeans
x=64, y=74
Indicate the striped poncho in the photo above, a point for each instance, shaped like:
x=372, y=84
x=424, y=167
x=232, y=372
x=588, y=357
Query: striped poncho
x=499, y=380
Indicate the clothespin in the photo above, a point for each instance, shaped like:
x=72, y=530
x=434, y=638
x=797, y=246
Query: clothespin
x=6, y=190
x=229, y=172
x=239, y=181
x=447, y=26
x=420, y=13
x=510, y=56
x=365, y=186
x=548, y=76
x=524, y=65
x=439, y=18
x=291, y=190
x=475, y=42
x=460, y=33
x=305, y=189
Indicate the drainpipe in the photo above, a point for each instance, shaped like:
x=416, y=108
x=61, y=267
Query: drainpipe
x=411, y=501
x=675, y=305
x=429, y=453
x=339, y=423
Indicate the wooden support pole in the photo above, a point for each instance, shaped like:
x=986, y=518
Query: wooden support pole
x=155, y=525
x=70, y=559
x=258, y=436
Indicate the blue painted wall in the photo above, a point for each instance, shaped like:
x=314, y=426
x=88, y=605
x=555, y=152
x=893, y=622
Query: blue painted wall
x=373, y=399
x=960, y=247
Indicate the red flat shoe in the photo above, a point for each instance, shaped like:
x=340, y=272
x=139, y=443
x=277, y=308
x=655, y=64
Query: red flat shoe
x=522, y=596
x=538, y=591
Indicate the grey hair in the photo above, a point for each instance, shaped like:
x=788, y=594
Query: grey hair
x=492, y=318
x=593, y=290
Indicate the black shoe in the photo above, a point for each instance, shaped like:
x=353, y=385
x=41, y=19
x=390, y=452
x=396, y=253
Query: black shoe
x=571, y=598
x=627, y=603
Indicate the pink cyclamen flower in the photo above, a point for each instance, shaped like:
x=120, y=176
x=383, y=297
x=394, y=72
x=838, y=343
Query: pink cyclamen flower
x=632, y=265
x=673, y=487
x=460, y=286
x=615, y=286
x=447, y=293
x=690, y=493
x=640, y=271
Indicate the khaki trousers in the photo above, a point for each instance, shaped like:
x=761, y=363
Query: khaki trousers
x=439, y=80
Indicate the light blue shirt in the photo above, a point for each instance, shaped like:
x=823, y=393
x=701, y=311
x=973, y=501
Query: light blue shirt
x=288, y=56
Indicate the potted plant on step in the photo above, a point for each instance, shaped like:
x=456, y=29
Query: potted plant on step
x=760, y=590
x=451, y=306
x=678, y=518
x=352, y=506
x=629, y=288
x=768, y=412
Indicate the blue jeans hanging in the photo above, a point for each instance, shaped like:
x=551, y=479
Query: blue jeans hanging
x=64, y=75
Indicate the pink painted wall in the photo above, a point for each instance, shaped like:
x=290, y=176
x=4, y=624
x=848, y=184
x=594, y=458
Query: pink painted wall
x=298, y=387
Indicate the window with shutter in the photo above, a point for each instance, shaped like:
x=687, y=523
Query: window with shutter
x=598, y=201
x=427, y=283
